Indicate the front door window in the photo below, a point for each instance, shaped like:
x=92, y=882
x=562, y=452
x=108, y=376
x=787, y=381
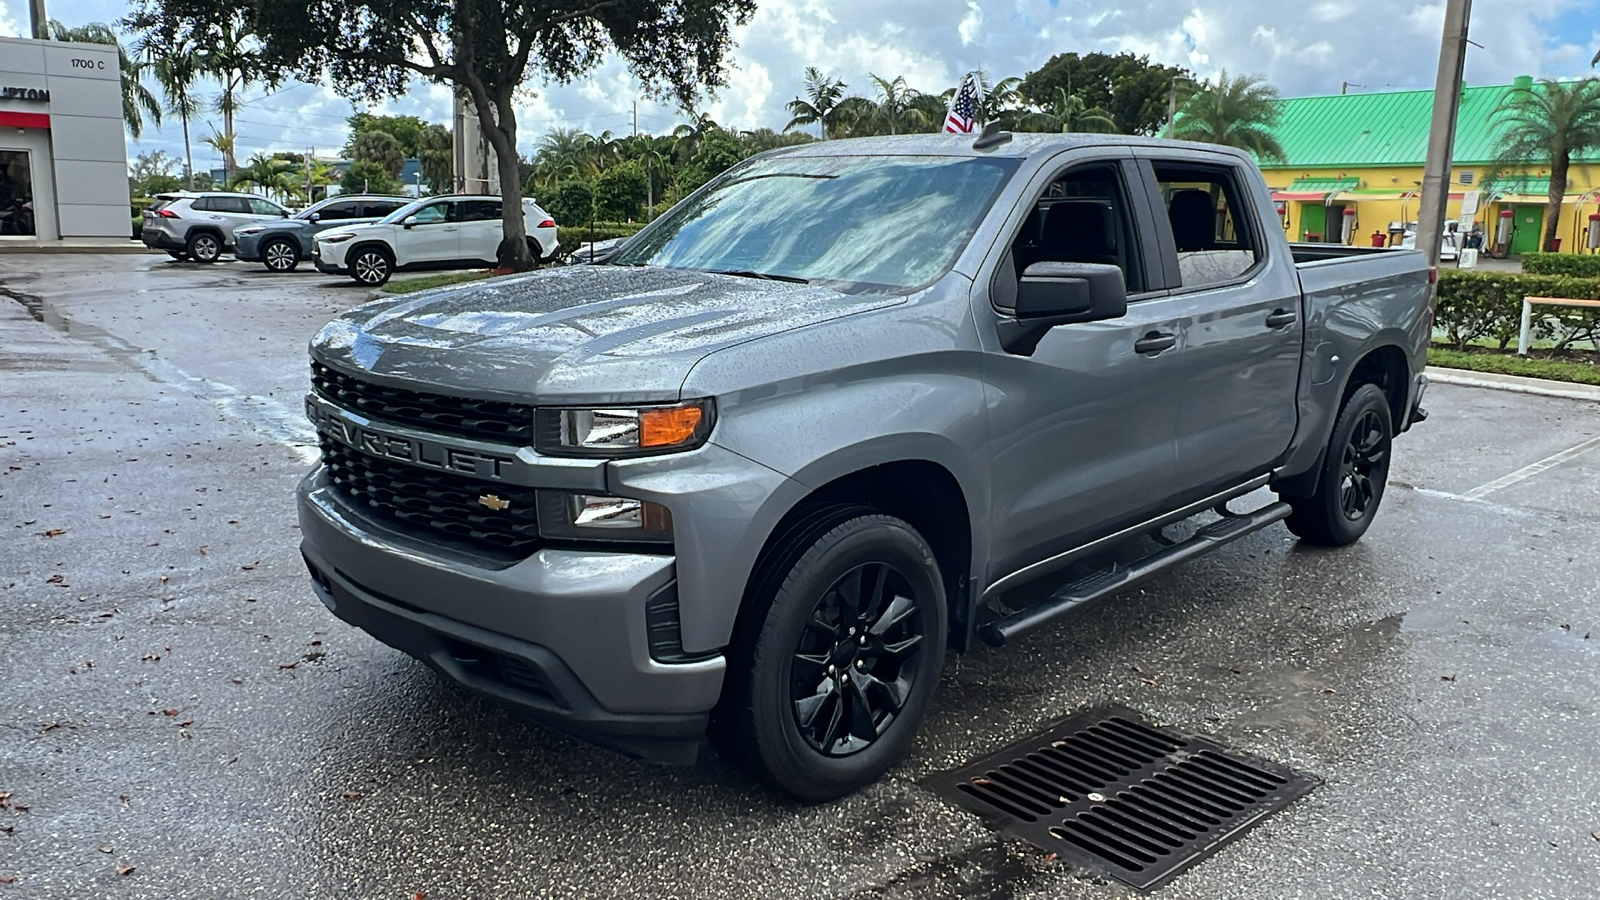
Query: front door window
x=16, y=193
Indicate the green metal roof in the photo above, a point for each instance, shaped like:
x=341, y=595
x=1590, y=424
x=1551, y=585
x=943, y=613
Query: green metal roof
x=1524, y=184
x=1322, y=185
x=1383, y=129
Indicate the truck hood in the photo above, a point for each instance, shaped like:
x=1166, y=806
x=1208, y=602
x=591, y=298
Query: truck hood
x=607, y=334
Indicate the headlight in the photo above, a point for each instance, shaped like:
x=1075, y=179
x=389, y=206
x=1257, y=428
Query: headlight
x=623, y=430
x=601, y=517
x=337, y=238
x=251, y=229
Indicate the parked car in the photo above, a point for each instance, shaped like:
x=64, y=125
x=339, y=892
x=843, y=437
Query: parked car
x=201, y=225
x=809, y=430
x=458, y=232
x=281, y=245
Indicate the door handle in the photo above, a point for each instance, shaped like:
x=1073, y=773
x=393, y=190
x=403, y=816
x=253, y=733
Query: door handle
x=1280, y=318
x=1155, y=342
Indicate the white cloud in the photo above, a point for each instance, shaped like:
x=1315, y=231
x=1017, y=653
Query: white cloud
x=968, y=29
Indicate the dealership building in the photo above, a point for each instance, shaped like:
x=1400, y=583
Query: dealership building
x=63, y=159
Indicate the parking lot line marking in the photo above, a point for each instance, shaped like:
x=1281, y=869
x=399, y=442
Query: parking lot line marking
x=1530, y=470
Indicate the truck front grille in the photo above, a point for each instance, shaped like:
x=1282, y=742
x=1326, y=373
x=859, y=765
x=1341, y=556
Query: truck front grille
x=436, y=502
x=490, y=420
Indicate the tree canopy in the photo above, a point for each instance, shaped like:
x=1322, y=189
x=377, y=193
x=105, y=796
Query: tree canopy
x=486, y=49
x=1133, y=90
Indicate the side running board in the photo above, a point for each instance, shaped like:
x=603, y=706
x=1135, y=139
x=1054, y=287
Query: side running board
x=1211, y=536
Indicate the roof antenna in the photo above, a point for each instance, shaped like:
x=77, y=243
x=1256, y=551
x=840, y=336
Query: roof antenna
x=992, y=137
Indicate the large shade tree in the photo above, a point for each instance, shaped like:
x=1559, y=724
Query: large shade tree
x=1234, y=112
x=1133, y=90
x=1547, y=125
x=486, y=49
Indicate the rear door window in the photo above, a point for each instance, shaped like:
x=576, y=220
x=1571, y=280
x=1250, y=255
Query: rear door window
x=1211, y=227
x=335, y=211
x=480, y=210
x=377, y=209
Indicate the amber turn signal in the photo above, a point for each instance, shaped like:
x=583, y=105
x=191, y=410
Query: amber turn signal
x=669, y=427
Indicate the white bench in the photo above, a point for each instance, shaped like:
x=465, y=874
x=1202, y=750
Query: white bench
x=1525, y=335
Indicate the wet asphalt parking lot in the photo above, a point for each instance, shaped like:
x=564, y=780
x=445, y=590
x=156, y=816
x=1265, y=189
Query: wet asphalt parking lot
x=177, y=704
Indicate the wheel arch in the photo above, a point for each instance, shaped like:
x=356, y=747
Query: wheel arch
x=924, y=493
x=1385, y=365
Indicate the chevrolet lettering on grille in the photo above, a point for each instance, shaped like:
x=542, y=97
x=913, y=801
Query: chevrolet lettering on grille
x=363, y=436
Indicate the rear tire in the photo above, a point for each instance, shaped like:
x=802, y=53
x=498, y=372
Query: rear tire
x=280, y=256
x=178, y=255
x=1355, y=471
x=371, y=266
x=827, y=685
x=204, y=247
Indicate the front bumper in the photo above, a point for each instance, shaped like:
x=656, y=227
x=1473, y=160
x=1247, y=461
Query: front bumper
x=561, y=635
x=330, y=265
x=247, y=247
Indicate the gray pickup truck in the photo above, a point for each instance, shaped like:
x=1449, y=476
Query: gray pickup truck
x=759, y=471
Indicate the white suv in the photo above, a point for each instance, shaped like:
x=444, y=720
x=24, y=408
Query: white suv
x=459, y=232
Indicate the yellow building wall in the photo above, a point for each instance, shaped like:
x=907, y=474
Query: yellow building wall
x=1376, y=213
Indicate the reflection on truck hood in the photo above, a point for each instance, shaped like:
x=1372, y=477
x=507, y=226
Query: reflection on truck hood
x=585, y=333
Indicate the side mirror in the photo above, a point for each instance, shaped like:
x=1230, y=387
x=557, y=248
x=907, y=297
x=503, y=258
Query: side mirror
x=315, y=217
x=1057, y=293
x=408, y=222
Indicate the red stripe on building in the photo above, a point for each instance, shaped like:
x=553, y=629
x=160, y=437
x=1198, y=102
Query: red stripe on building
x=24, y=120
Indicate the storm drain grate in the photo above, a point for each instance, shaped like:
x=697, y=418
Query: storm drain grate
x=1106, y=791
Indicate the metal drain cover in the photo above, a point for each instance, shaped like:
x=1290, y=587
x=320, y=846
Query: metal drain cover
x=1111, y=793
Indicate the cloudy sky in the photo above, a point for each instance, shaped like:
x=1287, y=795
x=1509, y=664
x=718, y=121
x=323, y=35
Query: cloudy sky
x=1305, y=48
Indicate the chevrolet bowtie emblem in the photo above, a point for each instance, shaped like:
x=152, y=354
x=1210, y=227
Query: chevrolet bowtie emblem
x=490, y=501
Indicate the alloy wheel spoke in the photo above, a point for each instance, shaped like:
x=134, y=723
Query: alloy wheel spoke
x=902, y=649
x=879, y=577
x=820, y=660
x=831, y=734
x=861, y=720
x=899, y=609
x=806, y=710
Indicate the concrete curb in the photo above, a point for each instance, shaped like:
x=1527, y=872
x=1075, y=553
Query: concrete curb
x=49, y=247
x=1540, y=387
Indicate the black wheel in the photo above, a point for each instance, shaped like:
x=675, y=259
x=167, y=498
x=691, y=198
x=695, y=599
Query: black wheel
x=371, y=266
x=825, y=692
x=280, y=255
x=178, y=255
x=204, y=247
x=535, y=251
x=1354, y=473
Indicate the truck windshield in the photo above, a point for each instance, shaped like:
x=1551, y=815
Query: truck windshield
x=851, y=222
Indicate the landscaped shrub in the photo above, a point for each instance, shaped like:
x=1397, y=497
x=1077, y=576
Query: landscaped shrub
x=1577, y=265
x=1473, y=306
x=571, y=236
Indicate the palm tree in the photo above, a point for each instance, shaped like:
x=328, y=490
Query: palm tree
x=224, y=145
x=564, y=153
x=820, y=104
x=175, y=70
x=894, y=112
x=1067, y=113
x=269, y=173
x=137, y=100
x=226, y=54
x=1234, y=112
x=1550, y=124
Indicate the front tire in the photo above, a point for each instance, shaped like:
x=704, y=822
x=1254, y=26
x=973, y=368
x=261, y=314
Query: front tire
x=204, y=247
x=825, y=693
x=371, y=266
x=1355, y=471
x=280, y=256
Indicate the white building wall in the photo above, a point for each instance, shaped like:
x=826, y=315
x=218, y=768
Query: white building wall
x=80, y=166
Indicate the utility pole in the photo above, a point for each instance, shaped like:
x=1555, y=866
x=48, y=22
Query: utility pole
x=311, y=156
x=1442, y=134
x=635, y=118
x=41, y=21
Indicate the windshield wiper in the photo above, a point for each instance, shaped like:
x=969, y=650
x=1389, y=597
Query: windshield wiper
x=765, y=276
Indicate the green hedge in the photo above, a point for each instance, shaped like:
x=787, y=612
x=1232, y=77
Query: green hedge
x=1477, y=306
x=1574, y=264
x=571, y=236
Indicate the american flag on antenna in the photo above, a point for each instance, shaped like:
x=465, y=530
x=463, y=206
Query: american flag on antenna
x=963, y=116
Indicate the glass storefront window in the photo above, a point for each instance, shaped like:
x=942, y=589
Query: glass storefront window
x=16, y=193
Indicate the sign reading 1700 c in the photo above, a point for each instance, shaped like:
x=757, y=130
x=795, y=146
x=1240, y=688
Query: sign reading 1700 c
x=22, y=93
